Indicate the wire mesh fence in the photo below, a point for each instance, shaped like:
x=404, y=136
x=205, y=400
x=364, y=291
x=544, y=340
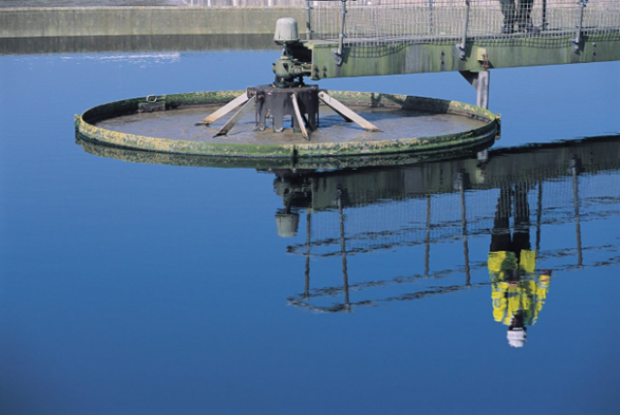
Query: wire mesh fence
x=384, y=22
x=244, y=3
x=395, y=21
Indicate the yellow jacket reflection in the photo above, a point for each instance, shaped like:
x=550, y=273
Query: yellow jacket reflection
x=518, y=294
x=516, y=289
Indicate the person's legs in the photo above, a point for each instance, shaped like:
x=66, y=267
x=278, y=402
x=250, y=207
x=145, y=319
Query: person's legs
x=500, y=236
x=523, y=16
x=510, y=15
x=521, y=235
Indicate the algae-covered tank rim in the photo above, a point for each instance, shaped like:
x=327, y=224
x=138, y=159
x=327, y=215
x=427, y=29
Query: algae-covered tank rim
x=87, y=129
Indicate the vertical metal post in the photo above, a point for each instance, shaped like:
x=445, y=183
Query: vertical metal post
x=343, y=252
x=481, y=81
x=482, y=89
x=427, y=237
x=462, y=185
x=577, y=40
x=575, y=171
x=431, y=11
x=343, y=14
x=544, y=15
x=539, y=215
x=308, y=244
x=462, y=47
x=308, y=21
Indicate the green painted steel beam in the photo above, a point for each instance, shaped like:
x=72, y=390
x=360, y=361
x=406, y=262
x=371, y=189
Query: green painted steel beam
x=508, y=52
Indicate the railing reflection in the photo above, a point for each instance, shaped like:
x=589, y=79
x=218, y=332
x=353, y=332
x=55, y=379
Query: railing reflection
x=351, y=212
x=491, y=195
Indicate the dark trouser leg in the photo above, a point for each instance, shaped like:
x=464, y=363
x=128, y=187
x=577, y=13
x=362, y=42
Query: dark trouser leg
x=521, y=237
x=500, y=237
x=524, y=12
x=524, y=18
x=509, y=11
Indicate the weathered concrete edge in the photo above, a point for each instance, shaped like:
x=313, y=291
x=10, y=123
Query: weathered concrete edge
x=85, y=128
x=138, y=21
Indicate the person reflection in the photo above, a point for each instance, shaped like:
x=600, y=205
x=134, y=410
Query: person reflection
x=517, y=293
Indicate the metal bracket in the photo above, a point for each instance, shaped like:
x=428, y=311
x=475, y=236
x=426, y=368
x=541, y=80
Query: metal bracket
x=151, y=104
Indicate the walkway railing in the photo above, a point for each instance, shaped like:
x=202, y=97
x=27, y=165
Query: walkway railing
x=372, y=22
x=395, y=21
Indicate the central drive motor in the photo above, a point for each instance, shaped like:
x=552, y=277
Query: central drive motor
x=278, y=103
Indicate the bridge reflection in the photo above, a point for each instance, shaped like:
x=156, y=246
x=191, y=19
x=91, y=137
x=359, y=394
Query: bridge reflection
x=351, y=213
x=509, y=200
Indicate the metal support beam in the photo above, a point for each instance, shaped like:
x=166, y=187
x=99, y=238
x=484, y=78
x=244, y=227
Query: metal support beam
x=343, y=110
x=235, y=118
x=241, y=99
x=301, y=122
x=481, y=83
x=513, y=51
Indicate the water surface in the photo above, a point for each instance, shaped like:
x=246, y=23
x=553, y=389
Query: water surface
x=136, y=285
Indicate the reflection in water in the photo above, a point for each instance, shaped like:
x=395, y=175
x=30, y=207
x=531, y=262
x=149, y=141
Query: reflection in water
x=431, y=204
x=518, y=295
x=516, y=199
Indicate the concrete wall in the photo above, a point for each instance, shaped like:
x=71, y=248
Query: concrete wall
x=132, y=21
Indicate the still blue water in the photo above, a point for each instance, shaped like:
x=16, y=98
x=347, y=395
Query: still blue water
x=129, y=288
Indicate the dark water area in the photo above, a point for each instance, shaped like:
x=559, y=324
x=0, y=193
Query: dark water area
x=142, y=283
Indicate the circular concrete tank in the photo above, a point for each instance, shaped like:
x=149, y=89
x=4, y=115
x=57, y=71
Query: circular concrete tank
x=408, y=124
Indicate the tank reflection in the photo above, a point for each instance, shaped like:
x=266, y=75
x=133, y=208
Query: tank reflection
x=508, y=199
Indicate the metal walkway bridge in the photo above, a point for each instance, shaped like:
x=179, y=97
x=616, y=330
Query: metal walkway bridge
x=384, y=37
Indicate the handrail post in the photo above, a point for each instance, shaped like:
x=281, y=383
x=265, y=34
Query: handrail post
x=431, y=16
x=308, y=21
x=338, y=53
x=462, y=47
x=576, y=41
